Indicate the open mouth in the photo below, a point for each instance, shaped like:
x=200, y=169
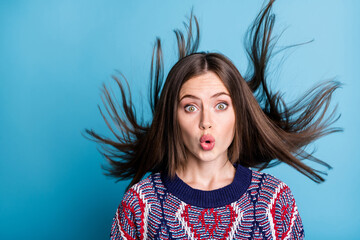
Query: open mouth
x=207, y=142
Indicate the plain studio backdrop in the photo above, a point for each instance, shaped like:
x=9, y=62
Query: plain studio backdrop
x=55, y=55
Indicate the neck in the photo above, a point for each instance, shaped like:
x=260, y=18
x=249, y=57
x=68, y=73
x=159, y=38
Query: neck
x=212, y=198
x=207, y=175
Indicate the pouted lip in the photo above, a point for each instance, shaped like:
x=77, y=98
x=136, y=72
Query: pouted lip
x=207, y=138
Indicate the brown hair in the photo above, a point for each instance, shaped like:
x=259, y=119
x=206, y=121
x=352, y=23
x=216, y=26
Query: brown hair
x=268, y=131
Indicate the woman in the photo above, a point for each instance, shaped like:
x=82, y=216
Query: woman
x=209, y=126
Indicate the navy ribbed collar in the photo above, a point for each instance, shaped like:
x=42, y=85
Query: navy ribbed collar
x=214, y=198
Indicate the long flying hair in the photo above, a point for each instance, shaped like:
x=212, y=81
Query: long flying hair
x=268, y=131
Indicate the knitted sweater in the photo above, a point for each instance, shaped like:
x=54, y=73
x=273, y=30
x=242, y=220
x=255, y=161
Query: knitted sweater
x=254, y=206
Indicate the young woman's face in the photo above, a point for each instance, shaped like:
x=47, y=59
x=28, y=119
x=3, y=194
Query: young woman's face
x=206, y=118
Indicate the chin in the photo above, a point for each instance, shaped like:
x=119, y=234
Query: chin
x=208, y=156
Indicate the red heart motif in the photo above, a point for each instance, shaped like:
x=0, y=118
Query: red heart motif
x=210, y=220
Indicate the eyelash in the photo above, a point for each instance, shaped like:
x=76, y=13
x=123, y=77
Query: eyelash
x=222, y=103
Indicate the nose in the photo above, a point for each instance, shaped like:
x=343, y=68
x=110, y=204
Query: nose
x=205, y=121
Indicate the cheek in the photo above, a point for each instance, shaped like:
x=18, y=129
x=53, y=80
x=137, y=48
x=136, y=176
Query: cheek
x=185, y=127
x=181, y=121
x=232, y=124
x=228, y=123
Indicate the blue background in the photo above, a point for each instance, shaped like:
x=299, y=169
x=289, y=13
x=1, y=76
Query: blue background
x=55, y=55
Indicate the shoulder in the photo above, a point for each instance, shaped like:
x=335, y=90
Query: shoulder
x=267, y=182
x=271, y=190
x=143, y=191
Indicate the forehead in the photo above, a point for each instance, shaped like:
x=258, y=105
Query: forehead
x=204, y=83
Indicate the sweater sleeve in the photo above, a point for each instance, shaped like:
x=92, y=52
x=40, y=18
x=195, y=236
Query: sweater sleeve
x=124, y=221
x=288, y=224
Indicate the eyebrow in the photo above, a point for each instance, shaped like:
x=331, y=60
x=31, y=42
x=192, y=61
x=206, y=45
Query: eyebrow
x=213, y=96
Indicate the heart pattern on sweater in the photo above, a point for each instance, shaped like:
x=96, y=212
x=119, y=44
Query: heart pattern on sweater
x=209, y=222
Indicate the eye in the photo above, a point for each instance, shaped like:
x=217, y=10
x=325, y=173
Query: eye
x=221, y=106
x=190, y=108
